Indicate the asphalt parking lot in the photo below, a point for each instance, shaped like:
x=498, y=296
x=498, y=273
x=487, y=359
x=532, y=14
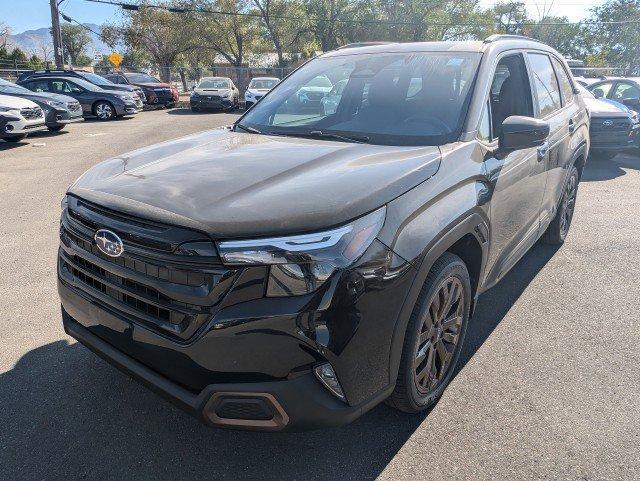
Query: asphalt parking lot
x=548, y=387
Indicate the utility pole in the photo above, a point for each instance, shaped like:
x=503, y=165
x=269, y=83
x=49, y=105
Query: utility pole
x=56, y=33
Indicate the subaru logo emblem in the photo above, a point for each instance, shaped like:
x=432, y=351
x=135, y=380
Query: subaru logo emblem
x=607, y=123
x=109, y=243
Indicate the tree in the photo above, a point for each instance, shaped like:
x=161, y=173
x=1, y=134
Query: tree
x=5, y=31
x=75, y=40
x=158, y=35
x=510, y=17
x=227, y=35
x=618, y=43
x=281, y=20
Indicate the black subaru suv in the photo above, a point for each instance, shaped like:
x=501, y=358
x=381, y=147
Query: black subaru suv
x=294, y=270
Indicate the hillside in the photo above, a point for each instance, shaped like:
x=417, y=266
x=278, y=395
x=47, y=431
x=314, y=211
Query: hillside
x=31, y=40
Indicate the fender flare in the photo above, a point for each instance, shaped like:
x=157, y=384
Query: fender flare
x=471, y=223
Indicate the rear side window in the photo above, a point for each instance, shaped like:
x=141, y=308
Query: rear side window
x=625, y=91
x=545, y=84
x=602, y=90
x=565, y=84
x=39, y=86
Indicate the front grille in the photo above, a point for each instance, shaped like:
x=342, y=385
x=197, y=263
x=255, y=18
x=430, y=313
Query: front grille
x=610, y=125
x=153, y=282
x=32, y=113
x=213, y=97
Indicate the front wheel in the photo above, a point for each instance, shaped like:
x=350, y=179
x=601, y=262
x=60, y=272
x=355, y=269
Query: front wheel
x=434, y=336
x=104, y=111
x=559, y=228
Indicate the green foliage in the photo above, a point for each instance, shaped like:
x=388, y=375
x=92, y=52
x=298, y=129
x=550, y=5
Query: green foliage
x=75, y=40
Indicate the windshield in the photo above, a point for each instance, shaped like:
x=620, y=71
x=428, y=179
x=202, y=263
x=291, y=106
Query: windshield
x=263, y=83
x=95, y=79
x=585, y=92
x=8, y=87
x=142, y=78
x=213, y=83
x=415, y=98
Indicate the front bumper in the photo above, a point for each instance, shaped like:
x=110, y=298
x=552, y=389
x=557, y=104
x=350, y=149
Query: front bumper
x=211, y=103
x=128, y=108
x=296, y=404
x=229, y=335
x=58, y=117
x=23, y=126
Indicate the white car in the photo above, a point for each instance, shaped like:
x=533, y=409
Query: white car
x=21, y=117
x=257, y=88
x=219, y=93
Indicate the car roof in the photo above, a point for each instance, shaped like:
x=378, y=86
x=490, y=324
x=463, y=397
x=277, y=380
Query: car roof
x=494, y=42
x=214, y=78
x=265, y=78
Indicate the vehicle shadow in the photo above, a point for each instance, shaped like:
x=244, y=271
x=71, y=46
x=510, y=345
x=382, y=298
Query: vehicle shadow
x=68, y=414
x=188, y=111
x=12, y=145
x=597, y=169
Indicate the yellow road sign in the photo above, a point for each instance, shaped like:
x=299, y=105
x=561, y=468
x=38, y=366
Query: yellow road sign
x=116, y=59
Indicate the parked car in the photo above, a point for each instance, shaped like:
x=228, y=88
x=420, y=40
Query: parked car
x=258, y=87
x=59, y=110
x=625, y=90
x=103, y=104
x=614, y=127
x=91, y=77
x=20, y=118
x=293, y=271
x=218, y=93
x=332, y=99
x=311, y=94
x=155, y=91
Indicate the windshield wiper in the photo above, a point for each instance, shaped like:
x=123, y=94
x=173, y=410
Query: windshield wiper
x=248, y=129
x=359, y=139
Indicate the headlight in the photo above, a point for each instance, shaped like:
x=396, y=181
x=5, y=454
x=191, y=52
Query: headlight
x=302, y=263
x=226, y=95
x=126, y=97
x=55, y=104
x=64, y=203
x=195, y=95
x=248, y=95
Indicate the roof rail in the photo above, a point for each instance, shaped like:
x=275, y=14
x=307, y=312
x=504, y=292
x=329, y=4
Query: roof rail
x=507, y=36
x=362, y=44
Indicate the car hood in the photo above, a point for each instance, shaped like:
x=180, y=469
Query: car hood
x=602, y=108
x=15, y=102
x=154, y=85
x=234, y=185
x=257, y=91
x=118, y=88
x=40, y=96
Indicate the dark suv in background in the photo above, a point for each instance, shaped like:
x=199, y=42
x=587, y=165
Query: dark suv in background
x=295, y=270
x=156, y=92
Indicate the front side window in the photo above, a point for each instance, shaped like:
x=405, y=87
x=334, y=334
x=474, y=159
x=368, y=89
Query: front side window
x=510, y=92
x=417, y=98
x=545, y=84
x=565, y=84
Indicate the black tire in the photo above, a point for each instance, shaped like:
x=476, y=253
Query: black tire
x=104, y=110
x=559, y=228
x=16, y=138
x=408, y=396
x=57, y=128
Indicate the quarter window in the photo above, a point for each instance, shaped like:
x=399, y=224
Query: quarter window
x=484, y=129
x=563, y=79
x=545, y=84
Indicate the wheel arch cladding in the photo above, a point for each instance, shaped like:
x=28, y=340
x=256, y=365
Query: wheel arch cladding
x=466, y=238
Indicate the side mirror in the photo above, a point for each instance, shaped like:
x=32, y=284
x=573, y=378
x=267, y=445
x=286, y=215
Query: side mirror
x=598, y=93
x=522, y=133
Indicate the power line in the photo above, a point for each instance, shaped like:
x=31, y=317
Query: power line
x=137, y=7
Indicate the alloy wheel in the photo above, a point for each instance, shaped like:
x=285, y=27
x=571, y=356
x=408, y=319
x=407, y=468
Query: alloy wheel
x=104, y=111
x=439, y=334
x=568, y=205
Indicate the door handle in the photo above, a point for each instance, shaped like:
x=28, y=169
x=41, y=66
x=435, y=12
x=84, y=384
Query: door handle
x=572, y=126
x=542, y=151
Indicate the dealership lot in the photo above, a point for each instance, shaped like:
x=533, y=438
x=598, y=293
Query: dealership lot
x=548, y=386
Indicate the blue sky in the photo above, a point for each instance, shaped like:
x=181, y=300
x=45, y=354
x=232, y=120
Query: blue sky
x=23, y=15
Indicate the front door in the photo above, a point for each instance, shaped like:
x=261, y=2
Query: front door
x=518, y=178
